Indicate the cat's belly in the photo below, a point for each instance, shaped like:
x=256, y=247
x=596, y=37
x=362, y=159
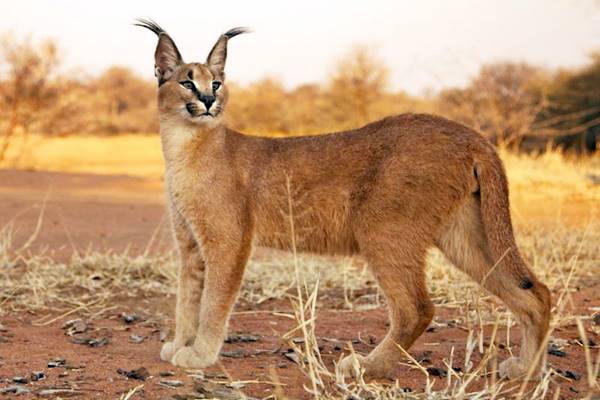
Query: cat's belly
x=317, y=225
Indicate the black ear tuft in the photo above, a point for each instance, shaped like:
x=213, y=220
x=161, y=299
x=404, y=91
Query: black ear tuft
x=217, y=56
x=166, y=56
x=236, y=31
x=150, y=24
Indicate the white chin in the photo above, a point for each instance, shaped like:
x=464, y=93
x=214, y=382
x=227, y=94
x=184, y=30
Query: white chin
x=204, y=119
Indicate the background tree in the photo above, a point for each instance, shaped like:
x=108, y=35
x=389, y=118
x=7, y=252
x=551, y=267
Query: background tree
x=355, y=89
x=572, y=115
x=502, y=102
x=29, y=96
x=122, y=102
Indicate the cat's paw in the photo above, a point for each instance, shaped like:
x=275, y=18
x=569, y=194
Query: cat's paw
x=188, y=357
x=167, y=351
x=512, y=368
x=354, y=364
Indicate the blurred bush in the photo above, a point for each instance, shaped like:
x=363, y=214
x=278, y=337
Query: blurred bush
x=515, y=105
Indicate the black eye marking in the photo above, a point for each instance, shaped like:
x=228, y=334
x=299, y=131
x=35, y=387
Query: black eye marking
x=526, y=284
x=188, y=85
x=216, y=85
x=190, y=74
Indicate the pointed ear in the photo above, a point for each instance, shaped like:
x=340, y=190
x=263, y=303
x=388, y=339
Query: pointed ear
x=166, y=56
x=218, y=55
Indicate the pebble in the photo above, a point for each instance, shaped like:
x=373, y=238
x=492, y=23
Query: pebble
x=219, y=391
x=140, y=374
x=290, y=355
x=92, y=342
x=59, y=392
x=14, y=390
x=37, y=376
x=171, y=383
x=553, y=351
x=137, y=338
x=241, y=337
x=130, y=318
x=57, y=362
x=20, y=379
x=435, y=371
x=238, y=353
x=75, y=326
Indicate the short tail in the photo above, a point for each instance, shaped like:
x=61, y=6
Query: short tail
x=495, y=212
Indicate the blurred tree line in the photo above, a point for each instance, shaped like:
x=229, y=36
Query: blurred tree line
x=515, y=105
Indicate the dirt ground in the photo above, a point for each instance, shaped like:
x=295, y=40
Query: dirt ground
x=118, y=213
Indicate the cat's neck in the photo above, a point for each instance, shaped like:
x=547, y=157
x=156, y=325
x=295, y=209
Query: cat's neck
x=180, y=139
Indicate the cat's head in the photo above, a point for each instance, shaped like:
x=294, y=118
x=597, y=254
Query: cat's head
x=195, y=92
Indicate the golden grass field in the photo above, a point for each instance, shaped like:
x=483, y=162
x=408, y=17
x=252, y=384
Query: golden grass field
x=567, y=188
x=555, y=205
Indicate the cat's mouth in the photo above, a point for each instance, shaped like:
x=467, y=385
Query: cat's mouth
x=195, y=111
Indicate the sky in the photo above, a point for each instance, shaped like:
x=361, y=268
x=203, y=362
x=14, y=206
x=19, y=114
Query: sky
x=426, y=45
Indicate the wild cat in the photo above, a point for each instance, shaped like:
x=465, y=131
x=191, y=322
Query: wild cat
x=387, y=191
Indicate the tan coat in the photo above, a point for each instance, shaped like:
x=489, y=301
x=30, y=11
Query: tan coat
x=387, y=191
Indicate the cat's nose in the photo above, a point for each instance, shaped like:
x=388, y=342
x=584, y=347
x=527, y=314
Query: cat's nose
x=207, y=100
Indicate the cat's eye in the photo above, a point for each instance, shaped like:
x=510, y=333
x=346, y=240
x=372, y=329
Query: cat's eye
x=216, y=85
x=187, y=84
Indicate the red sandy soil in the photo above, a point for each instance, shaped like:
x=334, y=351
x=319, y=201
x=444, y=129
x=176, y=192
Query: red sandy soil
x=118, y=212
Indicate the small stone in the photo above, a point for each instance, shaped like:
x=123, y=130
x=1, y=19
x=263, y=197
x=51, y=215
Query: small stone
x=165, y=374
x=130, y=318
x=37, y=376
x=217, y=390
x=424, y=357
x=60, y=392
x=75, y=326
x=57, y=362
x=238, y=353
x=140, y=374
x=18, y=390
x=137, y=338
x=282, y=365
x=434, y=371
x=554, y=351
x=571, y=375
x=290, y=355
x=170, y=383
x=215, y=375
x=21, y=380
x=92, y=342
x=596, y=319
x=241, y=337
x=163, y=334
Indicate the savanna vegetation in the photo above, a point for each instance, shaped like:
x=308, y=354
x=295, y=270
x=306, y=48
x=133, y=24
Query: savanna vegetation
x=514, y=104
x=51, y=119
